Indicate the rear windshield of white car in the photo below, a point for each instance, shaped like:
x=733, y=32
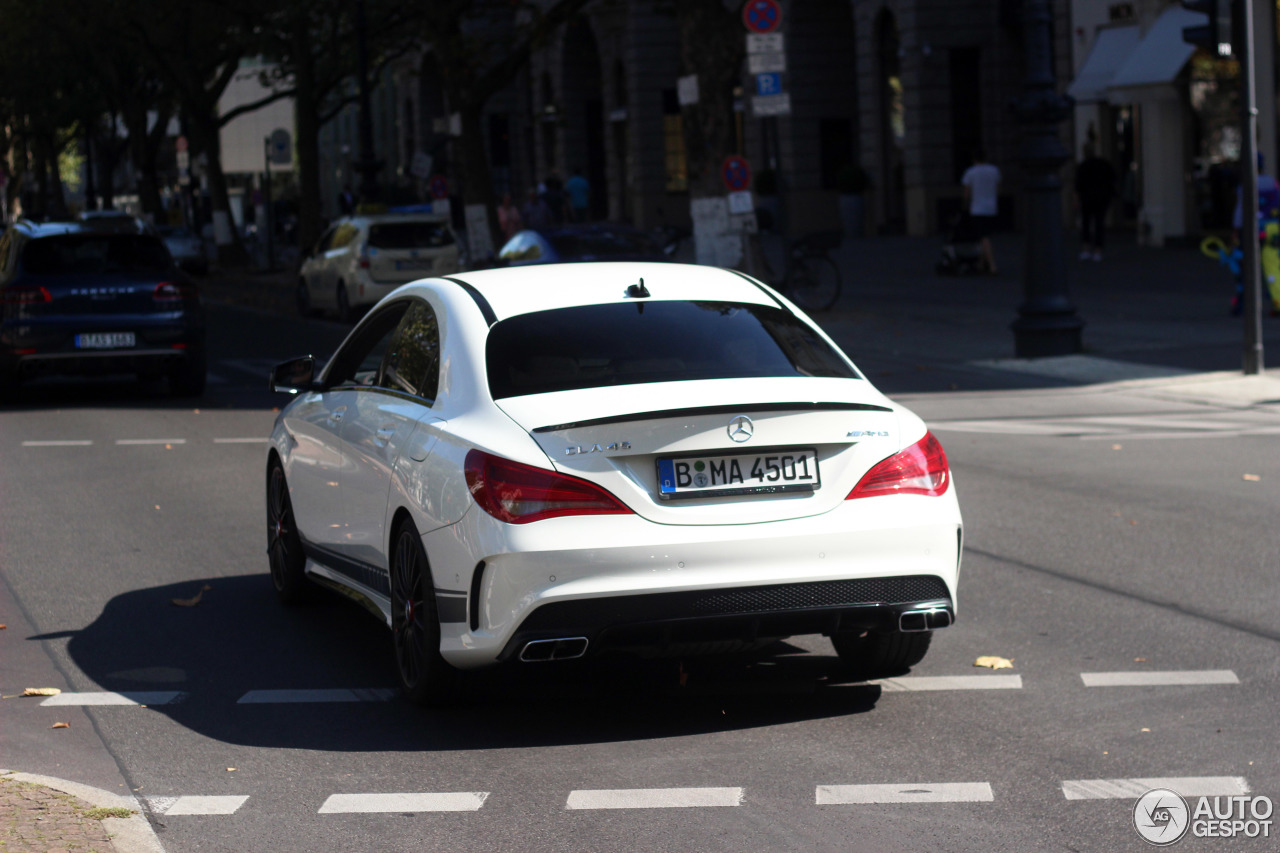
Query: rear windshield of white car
x=639, y=342
x=410, y=235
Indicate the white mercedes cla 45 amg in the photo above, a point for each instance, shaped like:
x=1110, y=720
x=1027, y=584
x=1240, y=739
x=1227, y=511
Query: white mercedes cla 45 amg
x=541, y=463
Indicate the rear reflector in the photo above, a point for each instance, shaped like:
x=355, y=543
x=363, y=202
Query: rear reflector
x=921, y=469
x=167, y=291
x=26, y=294
x=518, y=493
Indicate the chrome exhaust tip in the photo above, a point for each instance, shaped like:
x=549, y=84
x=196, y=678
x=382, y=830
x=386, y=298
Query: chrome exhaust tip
x=564, y=648
x=924, y=620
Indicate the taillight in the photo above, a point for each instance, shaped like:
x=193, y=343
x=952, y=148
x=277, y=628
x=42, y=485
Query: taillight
x=26, y=294
x=364, y=256
x=167, y=291
x=921, y=469
x=518, y=493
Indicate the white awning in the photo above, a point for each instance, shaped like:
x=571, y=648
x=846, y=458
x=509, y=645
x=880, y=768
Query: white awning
x=1162, y=53
x=1111, y=49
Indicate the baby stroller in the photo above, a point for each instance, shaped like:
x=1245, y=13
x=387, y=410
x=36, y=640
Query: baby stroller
x=962, y=254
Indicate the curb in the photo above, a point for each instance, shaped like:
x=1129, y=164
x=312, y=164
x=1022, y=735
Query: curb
x=128, y=834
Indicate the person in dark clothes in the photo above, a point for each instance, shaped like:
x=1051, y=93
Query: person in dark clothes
x=1095, y=187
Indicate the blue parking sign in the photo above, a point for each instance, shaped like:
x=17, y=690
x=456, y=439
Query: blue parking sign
x=769, y=84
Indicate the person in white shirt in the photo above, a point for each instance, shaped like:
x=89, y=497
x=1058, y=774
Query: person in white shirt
x=981, y=188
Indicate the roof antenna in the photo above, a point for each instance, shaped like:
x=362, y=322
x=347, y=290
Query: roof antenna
x=638, y=290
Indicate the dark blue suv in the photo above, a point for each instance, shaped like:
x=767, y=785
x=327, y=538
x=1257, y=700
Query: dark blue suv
x=80, y=298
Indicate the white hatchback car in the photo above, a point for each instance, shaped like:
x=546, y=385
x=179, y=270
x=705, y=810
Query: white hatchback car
x=361, y=259
x=539, y=463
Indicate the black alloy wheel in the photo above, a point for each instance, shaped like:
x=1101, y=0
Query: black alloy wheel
x=881, y=654
x=425, y=678
x=284, y=545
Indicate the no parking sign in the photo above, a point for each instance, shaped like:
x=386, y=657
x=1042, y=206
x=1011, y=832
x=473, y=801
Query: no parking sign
x=439, y=187
x=736, y=173
x=762, y=16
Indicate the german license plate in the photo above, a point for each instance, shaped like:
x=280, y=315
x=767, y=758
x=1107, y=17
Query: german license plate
x=415, y=264
x=770, y=472
x=105, y=340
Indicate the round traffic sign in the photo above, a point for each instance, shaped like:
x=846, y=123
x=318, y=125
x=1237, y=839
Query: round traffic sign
x=439, y=187
x=762, y=16
x=736, y=173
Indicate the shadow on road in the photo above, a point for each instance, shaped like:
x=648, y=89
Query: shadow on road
x=238, y=639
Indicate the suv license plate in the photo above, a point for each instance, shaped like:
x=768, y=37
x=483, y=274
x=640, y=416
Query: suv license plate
x=104, y=340
x=768, y=473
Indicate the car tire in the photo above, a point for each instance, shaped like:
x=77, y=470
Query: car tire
x=303, y=297
x=189, y=379
x=343, y=303
x=881, y=654
x=284, y=545
x=425, y=677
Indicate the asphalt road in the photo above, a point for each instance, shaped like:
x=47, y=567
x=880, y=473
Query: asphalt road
x=1105, y=533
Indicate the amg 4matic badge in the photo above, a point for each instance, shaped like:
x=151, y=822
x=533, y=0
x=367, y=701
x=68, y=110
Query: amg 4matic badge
x=578, y=449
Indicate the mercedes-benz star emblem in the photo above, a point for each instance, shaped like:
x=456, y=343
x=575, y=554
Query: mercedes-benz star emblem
x=741, y=429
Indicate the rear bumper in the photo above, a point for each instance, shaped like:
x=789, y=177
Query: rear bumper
x=664, y=622
x=46, y=346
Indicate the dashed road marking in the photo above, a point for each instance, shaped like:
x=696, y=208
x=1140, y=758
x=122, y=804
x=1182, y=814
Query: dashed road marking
x=1148, y=679
x=932, y=792
x=57, y=443
x=145, y=441
x=372, y=694
x=1123, y=789
x=921, y=683
x=240, y=440
x=153, y=697
x=196, y=805
x=655, y=798
x=464, y=801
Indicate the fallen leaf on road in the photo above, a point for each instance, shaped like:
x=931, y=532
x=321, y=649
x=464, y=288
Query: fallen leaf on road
x=1252, y=478
x=42, y=691
x=191, y=602
x=1117, y=447
x=2, y=627
x=1146, y=730
x=168, y=447
x=1133, y=522
x=231, y=770
x=60, y=726
x=1139, y=660
x=994, y=662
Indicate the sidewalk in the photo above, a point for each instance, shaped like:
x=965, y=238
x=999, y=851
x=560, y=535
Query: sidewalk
x=40, y=814
x=1148, y=313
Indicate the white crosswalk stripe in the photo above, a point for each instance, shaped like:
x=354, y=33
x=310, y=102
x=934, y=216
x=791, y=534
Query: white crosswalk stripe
x=947, y=792
x=1123, y=789
x=145, y=697
x=372, y=694
x=196, y=805
x=655, y=798
x=923, y=683
x=1156, y=678
x=466, y=801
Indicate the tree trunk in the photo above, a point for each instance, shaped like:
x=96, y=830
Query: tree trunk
x=146, y=156
x=306, y=119
x=231, y=251
x=712, y=46
x=477, y=180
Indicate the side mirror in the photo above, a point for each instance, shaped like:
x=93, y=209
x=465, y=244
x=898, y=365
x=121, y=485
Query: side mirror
x=294, y=375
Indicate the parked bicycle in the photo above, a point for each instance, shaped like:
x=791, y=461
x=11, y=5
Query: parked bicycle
x=810, y=278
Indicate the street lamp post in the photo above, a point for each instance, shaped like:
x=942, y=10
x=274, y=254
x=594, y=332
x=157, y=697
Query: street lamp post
x=1047, y=323
x=368, y=166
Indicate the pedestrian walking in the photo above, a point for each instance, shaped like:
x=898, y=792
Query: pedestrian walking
x=347, y=201
x=1095, y=188
x=509, y=219
x=981, y=199
x=579, y=191
x=535, y=213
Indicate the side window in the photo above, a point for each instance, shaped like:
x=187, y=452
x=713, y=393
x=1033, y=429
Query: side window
x=412, y=364
x=358, y=363
x=322, y=245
